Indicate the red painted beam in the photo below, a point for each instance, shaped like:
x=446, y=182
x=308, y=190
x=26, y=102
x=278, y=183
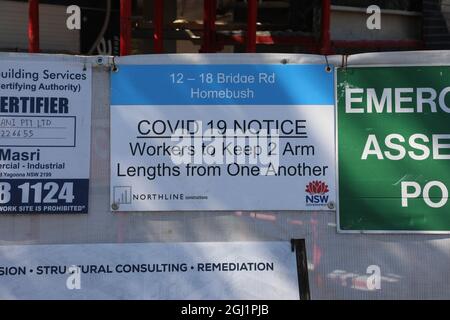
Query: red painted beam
x=325, y=27
x=373, y=44
x=158, y=22
x=252, y=16
x=209, y=26
x=309, y=42
x=125, y=27
x=33, y=26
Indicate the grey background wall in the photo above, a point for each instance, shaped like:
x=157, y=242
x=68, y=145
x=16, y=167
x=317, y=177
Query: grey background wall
x=412, y=266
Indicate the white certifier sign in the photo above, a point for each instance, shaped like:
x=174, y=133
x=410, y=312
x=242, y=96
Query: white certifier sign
x=222, y=137
x=215, y=270
x=45, y=125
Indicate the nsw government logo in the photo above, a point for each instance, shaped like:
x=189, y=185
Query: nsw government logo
x=317, y=193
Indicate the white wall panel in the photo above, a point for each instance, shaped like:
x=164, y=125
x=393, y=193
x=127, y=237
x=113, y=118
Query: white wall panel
x=54, y=35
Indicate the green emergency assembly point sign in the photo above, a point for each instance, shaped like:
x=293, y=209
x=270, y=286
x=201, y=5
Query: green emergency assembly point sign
x=393, y=140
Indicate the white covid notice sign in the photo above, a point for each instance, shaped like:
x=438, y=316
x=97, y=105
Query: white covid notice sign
x=45, y=125
x=222, y=137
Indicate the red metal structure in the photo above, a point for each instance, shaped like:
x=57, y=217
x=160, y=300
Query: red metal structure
x=325, y=46
x=33, y=26
x=212, y=41
x=125, y=27
x=209, y=26
x=378, y=44
x=158, y=20
x=252, y=16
